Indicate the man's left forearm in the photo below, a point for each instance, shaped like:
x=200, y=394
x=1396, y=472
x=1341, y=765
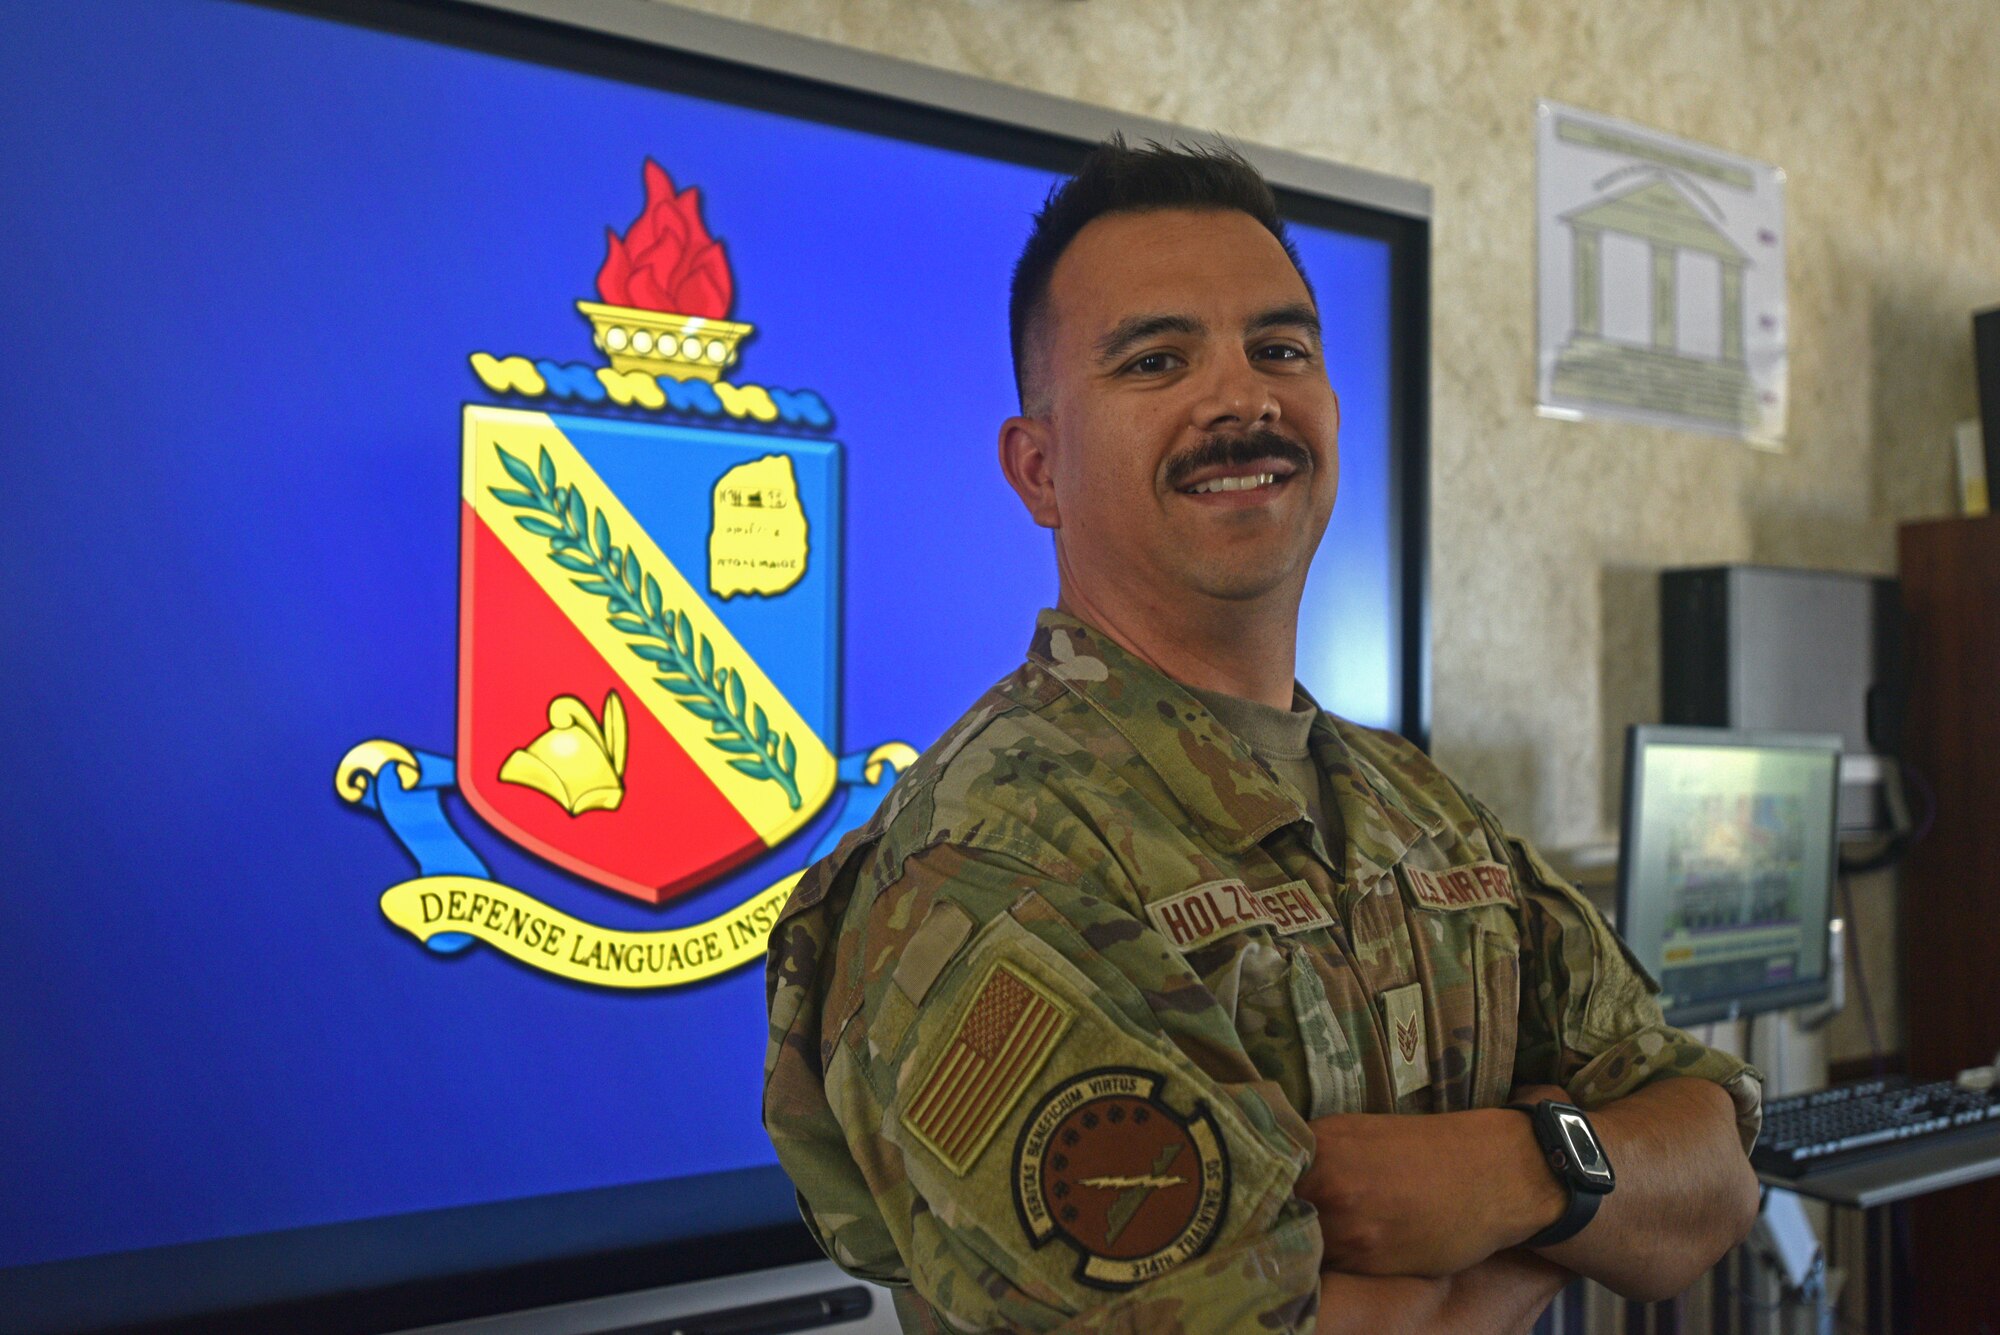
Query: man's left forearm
x=1506, y=1292
x=1433, y=1195
x=1685, y=1193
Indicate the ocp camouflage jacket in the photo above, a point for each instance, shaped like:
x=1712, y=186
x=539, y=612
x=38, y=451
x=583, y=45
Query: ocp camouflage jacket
x=1046, y=1033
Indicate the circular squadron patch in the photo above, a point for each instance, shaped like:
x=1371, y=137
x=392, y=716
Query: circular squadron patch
x=1133, y=1185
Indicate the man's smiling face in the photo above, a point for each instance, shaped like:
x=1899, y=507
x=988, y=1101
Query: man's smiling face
x=1190, y=430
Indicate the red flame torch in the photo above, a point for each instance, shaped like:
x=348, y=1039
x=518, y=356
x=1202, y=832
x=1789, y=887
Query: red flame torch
x=665, y=290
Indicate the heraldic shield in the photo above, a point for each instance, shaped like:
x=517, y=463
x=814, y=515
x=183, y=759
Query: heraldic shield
x=649, y=624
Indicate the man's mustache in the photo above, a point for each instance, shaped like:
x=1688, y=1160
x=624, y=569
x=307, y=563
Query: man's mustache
x=1226, y=451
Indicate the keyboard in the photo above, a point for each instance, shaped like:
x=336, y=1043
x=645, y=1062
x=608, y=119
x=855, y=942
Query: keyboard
x=1831, y=1128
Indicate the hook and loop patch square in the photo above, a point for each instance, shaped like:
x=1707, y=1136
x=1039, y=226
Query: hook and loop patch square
x=1002, y=1039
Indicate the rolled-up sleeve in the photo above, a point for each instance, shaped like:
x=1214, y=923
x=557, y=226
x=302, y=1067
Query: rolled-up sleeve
x=1589, y=1021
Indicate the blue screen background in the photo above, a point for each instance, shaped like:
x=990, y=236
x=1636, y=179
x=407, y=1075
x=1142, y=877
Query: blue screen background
x=248, y=254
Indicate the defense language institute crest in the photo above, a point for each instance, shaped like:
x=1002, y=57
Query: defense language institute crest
x=1134, y=1186
x=649, y=618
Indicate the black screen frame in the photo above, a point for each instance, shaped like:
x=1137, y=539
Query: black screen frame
x=495, y=28
x=1758, y=1001
x=354, y=1277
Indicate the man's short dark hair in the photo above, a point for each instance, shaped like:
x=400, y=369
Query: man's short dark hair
x=1117, y=178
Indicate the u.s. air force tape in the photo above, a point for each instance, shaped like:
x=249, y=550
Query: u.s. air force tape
x=1474, y=885
x=1135, y=1186
x=1213, y=910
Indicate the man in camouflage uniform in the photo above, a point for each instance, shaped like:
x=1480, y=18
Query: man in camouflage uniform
x=1084, y=1030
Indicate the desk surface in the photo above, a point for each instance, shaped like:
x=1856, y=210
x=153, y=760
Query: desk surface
x=1925, y=1166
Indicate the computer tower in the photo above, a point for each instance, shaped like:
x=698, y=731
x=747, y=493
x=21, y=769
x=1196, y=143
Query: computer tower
x=1756, y=647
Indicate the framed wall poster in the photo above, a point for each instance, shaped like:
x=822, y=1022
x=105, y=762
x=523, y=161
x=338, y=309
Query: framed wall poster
x=1661, y=279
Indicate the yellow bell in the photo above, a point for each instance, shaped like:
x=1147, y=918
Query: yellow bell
x=576, y=763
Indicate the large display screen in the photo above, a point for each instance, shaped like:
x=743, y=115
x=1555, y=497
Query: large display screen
x=475, y=530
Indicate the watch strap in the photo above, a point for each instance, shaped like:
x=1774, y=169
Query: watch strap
x=1582, y=1208
x=1582, y=1204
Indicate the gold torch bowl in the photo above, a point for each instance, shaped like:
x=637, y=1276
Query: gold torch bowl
x=659, y=343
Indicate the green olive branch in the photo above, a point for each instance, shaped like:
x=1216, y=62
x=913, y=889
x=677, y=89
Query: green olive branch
x=580, y=542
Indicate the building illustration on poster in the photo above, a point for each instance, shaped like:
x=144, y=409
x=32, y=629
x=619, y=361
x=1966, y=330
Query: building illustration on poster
x=1661, y=280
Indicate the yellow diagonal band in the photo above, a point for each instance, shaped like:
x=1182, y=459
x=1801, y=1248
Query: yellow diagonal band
x=761, y=802
x=544, y=938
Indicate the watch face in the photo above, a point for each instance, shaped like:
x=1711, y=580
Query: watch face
x=1583, y=1148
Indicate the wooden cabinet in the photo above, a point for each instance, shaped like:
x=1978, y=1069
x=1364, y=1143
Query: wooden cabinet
x=1949, y=897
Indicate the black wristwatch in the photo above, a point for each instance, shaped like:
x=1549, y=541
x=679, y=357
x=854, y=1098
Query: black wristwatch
x=1578, y=1159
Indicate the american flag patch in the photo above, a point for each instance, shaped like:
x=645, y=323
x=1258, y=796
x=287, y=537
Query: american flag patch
x=1001, y=1042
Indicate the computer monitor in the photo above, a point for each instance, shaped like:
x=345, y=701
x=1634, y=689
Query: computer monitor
x=1726, y=866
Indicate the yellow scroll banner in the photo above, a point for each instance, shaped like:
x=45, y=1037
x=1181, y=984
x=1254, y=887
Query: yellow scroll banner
x=544, y=938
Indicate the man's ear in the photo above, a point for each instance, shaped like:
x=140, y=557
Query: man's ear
x=1027, y=458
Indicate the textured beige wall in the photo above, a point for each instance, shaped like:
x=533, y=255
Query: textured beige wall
x=1547, y=536
x=1886, y=116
